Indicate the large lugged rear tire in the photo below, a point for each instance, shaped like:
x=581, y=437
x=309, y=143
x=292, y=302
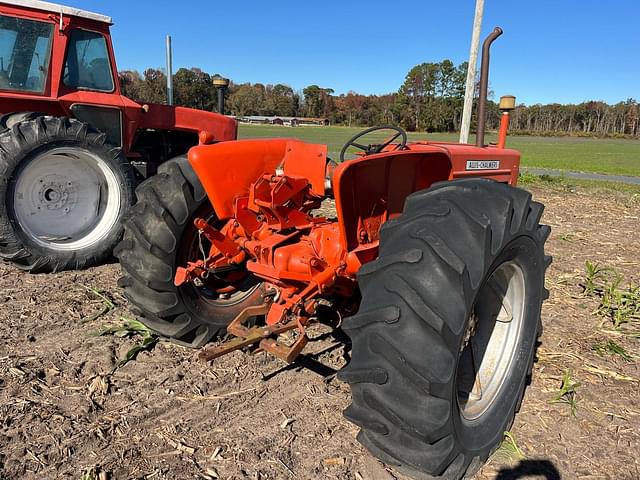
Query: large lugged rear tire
x=159, y=237
x=445, y=337
x=63, y=193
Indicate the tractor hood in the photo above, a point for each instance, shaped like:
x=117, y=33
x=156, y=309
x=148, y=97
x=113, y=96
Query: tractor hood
x=210, y=127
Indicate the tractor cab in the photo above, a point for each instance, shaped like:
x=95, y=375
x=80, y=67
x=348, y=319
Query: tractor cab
x=49, y=49
x=25, y=56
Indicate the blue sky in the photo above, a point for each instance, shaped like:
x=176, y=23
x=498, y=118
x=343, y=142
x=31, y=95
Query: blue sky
x=552, y=51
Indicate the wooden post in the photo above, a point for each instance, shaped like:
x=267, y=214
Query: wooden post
x=465, y=126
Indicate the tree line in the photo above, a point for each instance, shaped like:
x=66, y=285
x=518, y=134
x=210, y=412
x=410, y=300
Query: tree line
x=430, y=99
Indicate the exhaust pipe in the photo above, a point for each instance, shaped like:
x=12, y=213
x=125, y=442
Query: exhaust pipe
x=484, y=85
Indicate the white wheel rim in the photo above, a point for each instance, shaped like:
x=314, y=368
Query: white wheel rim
x=492, y=339
x=67, y=199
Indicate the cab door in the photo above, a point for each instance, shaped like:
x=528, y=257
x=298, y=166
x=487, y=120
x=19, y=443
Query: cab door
x=89, y=88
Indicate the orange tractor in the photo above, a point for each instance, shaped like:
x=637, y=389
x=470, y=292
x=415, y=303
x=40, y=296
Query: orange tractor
x=434, y=261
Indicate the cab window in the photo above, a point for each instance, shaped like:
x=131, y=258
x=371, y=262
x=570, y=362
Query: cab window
x=25, y=49
x=87, y=65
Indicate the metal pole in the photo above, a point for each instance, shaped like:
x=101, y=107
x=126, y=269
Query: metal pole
x=465, y=126
x=169, y=72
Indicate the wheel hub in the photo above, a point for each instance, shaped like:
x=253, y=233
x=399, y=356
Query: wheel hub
x=55, y=194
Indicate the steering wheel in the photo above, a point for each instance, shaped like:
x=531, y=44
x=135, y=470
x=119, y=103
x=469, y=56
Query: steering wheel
x=376, y=147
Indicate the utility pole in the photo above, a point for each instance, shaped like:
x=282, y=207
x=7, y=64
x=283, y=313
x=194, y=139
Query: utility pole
x=169, y=72
x=471, y=73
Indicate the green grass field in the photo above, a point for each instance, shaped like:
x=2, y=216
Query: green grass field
x=620, y=157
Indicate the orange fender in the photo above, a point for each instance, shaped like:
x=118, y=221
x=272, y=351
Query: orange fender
x=227, y=169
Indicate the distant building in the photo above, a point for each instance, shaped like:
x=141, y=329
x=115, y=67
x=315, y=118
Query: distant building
x=288, y=121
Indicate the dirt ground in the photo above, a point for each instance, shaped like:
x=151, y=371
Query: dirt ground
x=167, y=415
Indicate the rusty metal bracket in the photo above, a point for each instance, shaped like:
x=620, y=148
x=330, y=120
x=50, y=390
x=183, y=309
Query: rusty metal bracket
x=284, y=352
x=245, y=336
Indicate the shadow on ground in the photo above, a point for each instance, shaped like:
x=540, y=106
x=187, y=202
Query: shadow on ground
x=540, y=469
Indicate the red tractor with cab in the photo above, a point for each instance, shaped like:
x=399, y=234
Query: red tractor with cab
x=72, y=147
x=432, y=263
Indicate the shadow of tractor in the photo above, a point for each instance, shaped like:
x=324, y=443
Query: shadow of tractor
x=530, y=469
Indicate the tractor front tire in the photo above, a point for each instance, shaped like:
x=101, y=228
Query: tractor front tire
x=159, y=237
x=63, y=193
x=444, y=341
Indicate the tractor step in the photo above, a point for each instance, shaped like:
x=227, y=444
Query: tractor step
x=244, y=336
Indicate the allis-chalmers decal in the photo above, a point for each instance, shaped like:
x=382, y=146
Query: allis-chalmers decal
x=483, y=164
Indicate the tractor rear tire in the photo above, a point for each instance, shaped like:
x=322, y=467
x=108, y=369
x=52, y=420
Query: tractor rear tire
x=158, y=238
x=63, y=193
x=444, y=341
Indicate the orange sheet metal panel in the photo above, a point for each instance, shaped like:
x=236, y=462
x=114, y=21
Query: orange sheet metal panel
x=307, y=160
x=227, y=170
x=165, y=117
x=469, y=161
x=370, y=189
x=374, y=187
